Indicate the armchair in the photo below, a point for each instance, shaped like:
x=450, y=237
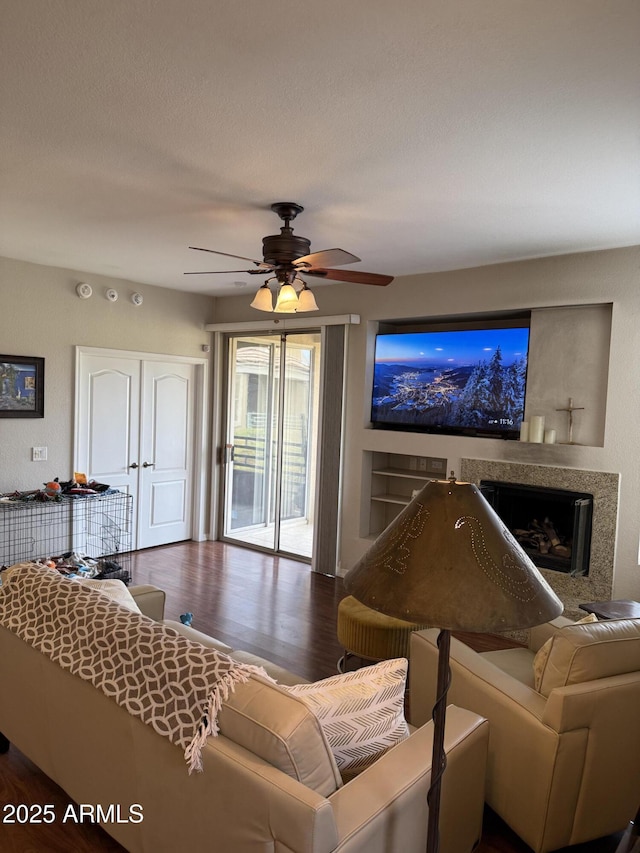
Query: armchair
x=564, y=759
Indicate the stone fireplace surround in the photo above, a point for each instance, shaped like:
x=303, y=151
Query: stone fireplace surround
x=572, y=591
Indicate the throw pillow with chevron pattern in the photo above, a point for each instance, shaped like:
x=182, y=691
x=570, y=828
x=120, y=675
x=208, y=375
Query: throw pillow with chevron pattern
x=361, y=713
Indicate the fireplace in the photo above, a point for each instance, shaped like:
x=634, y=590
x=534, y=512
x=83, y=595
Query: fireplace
x=553, y=526
x=573, y=589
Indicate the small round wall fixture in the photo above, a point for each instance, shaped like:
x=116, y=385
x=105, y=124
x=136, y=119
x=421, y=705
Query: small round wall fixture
x=112, y=295
x=84, y=290
x=137, y=299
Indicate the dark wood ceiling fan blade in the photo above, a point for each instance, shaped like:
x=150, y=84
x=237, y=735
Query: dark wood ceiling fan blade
x=326, y=258
x=355, y=276
x=227, y=255
x=222, y=272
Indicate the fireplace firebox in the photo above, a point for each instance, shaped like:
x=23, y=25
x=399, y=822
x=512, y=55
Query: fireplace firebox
x=553, y=526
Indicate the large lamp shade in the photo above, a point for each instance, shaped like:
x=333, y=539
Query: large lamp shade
x=448, y=560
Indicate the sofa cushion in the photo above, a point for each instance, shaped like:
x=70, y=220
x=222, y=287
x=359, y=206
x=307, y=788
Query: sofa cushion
x=361, y=712
x=113, y=589
x=281, y=675
x=278, y=727
x=518, y=663
x=278, y=673
x=540, y=660
x=197, y=636
x=590, y=651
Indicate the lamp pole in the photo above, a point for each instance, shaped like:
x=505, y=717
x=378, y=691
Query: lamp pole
x=438, y=756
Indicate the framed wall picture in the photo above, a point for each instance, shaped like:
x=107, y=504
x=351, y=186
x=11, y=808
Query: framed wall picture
x=21, y=386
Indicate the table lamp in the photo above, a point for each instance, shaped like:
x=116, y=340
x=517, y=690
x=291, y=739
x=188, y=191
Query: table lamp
x=448, y=560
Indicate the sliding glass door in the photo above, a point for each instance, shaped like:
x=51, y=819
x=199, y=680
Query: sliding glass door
x=270, y=448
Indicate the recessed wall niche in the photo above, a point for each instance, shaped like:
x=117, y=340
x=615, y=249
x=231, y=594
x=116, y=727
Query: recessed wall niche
x=569, y=358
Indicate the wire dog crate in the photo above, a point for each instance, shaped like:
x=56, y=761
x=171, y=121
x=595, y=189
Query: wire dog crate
x=98, y=526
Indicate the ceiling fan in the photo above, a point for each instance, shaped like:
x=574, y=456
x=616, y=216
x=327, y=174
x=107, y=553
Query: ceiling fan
x=286, y=256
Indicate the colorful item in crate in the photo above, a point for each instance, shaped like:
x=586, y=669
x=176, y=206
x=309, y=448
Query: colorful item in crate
x=53, y=488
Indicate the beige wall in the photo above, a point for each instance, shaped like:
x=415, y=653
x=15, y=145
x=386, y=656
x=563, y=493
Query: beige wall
x=564, y=341
x=41, y=315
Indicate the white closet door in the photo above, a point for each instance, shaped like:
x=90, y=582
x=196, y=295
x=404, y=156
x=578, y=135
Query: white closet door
x=135, y=422
x=166, y=453
x=108, y=421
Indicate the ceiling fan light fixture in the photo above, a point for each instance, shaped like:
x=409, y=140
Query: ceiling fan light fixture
x=263, y=300
x=287, y=301
x=306, y=300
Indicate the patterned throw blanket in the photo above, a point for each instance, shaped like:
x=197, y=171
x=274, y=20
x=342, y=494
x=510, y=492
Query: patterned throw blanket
x=172, y=684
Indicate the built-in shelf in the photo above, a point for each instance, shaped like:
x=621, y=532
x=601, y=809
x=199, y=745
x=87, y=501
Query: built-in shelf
x=391, y=480
x=391, y=499
x=403, y=472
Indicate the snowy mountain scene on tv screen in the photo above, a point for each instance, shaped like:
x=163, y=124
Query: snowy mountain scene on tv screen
x=463, y=381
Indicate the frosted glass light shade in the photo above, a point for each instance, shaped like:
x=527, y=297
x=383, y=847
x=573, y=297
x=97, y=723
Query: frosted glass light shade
x=263, y=300
x=306, y=300
x=287, y=301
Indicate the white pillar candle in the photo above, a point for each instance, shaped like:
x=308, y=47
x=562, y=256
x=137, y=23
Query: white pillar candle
x=536, y=429
x=549, y=436
x=524, y=431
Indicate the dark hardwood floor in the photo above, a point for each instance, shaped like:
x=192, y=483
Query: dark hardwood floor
x=274, y=607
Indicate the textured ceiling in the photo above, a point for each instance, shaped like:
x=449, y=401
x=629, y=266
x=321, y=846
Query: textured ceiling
x=421, y=135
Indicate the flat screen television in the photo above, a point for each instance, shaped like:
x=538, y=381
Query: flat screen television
x=459, y=382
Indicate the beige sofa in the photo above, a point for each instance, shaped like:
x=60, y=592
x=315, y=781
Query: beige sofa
x=564, y=755
x=269, y=782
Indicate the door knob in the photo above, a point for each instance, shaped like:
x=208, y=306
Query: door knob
x=133, y=465
x=148, y=464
